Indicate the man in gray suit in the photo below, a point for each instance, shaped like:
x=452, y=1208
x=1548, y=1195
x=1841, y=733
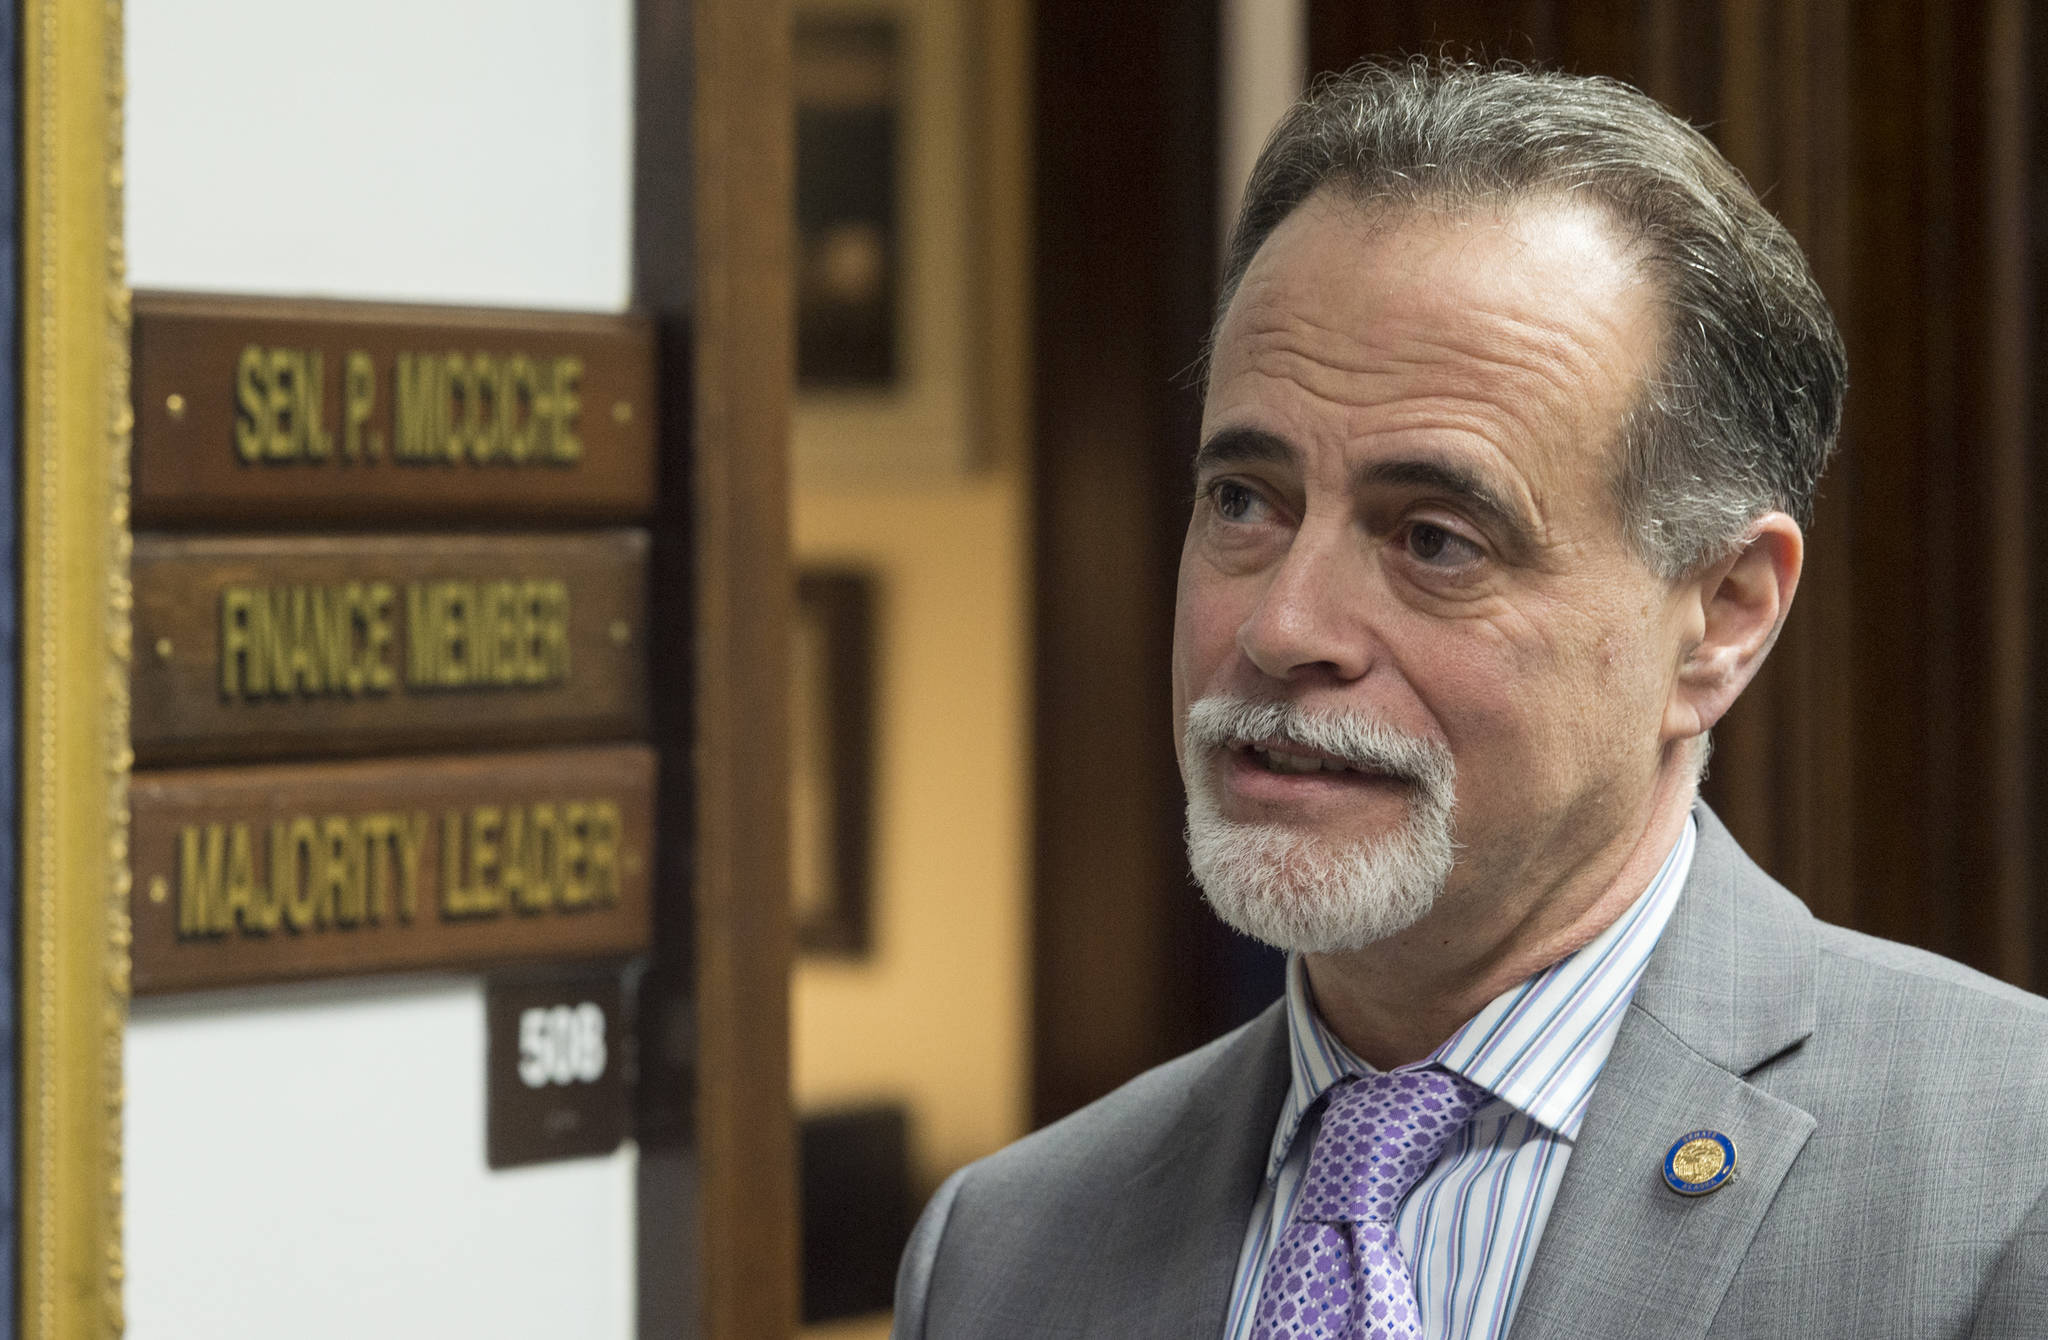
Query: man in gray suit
x=1516, y=407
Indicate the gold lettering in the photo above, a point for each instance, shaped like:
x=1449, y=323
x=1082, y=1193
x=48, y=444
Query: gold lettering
x=605, y=826
x=485, y=871
x=270, y=638
x=528, y=616
x=503, y=406
x=573, y=890
x=507, y=658
x=343, y=871
x=252, y=418
x=567, y=405
x=264, y=909
x=458, y=633
x=285, y=640
x=481, y=428
x=553, y=627
x=339, y=871
x=282, y=876
x=327, y=630
x=455, y=897
x=543, y=858
x=479, y=408
x=522, y=408
x=239, y=903
x=422, y=407
x=200, y=885
x=420, y=642
x=411, y=831
x=354, y=627
x=459, y=410
x=378, y=676
x=462, y=634
x=285, y=423
x=235, y=661
x=304, y=667
x=482, y=639
x=298, y=888
x=358, y=404
x=512, y=860
x=318, y=442
x=340, y=897
x=373, y=842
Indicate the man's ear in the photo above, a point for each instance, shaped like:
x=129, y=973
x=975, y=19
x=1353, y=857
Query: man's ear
x=1733, y=609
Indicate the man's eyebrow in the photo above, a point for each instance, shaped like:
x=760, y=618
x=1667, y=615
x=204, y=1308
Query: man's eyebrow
x=1242, y=446
x=1459, y=483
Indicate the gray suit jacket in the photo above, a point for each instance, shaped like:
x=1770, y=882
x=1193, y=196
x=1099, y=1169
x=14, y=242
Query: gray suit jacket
x=1889, y=1108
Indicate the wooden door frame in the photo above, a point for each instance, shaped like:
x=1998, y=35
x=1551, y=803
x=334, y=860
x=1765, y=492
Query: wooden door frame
x=712, y=223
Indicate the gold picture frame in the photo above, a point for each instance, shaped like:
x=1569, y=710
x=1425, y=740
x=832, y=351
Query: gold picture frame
x=74, y=755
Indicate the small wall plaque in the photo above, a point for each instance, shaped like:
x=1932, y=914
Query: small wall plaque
x=311, y=645
x=277, y=412
x=289, y=872
x=555, y=1083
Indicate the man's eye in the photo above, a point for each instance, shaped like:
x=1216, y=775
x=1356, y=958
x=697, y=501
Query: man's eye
x=1234, y=502
x=1439, y=547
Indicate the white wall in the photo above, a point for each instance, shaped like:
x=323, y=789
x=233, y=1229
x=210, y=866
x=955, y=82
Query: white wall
x=471, y=151
x=309, y=1162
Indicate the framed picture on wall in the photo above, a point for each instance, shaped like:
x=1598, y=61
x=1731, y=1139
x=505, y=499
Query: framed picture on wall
x=889, y=276
x=849, y=118
x=832, y=659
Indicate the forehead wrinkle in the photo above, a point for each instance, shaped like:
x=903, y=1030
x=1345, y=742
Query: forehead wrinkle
x=1380, y=394
x=1489, y=339
x=1511, y=374
x=1484, y=300
x=1566, y=350
x=1433, y=425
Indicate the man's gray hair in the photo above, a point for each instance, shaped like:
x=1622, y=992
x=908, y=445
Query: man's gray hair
x=1746, y=407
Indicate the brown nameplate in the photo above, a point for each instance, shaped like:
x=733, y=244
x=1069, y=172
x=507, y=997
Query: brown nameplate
x=292, y=871
x=274, y=647
x=266, y=411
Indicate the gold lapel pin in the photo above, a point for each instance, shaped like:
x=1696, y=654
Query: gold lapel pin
x=1699, y=1162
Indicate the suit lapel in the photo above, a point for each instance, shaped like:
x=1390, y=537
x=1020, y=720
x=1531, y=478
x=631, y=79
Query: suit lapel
x=1623, y=1254
x=1729, y=987
x=1170, y=1255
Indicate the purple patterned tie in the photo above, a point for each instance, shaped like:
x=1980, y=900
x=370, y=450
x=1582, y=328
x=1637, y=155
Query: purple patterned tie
x=1337, y=1272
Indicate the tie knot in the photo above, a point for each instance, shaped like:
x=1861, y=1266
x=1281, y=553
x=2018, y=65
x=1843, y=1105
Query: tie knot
x=1380, y=1133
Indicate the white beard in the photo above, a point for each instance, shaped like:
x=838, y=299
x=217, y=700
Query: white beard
x=1296, y=891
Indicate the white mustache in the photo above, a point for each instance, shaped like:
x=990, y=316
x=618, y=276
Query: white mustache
x=1359, y=741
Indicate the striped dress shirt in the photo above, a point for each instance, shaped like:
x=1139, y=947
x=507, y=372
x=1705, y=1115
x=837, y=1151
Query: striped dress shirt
x=1469, y=1227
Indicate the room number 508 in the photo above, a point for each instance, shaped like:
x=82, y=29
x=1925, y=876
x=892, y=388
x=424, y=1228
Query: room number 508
x=561, y=1044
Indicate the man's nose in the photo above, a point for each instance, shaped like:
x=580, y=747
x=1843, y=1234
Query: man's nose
x=1312, y=617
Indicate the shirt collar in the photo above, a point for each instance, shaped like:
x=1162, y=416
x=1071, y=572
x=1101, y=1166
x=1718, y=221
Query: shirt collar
x=1539, y=1045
